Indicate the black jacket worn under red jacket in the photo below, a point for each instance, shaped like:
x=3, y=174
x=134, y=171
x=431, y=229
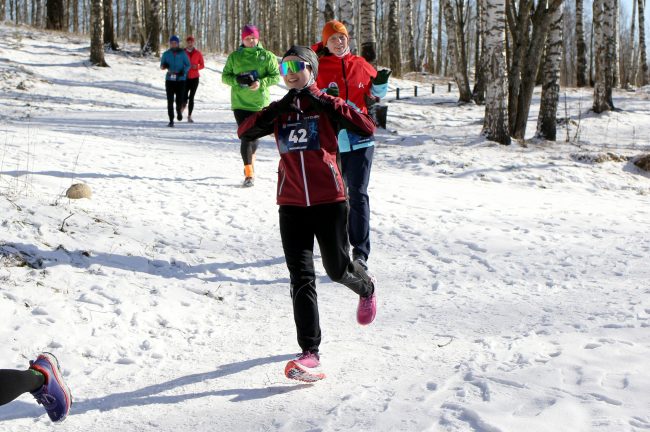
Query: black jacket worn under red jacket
x=308, y=172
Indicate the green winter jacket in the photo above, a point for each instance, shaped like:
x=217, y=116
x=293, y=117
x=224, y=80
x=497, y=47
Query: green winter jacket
x=248, y=60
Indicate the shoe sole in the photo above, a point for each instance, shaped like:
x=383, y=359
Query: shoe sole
x=54, y=362
x=296, y=372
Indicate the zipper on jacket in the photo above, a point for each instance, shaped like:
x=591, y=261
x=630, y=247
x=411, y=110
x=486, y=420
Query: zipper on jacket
x=284, y=177
x=304, y=177
x=345, y=80
x=336, y=180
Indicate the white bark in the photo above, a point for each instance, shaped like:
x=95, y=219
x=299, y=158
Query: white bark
x=458, y=60
x=604, y=37
x=97, y=33
x=644, y=59
x=495, y=125
x=395, y=41
x=546, y=122
x=367, y=30
x=346, y=11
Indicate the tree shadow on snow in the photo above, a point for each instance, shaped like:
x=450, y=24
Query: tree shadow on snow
x=153, y=394
x=36, y=258
x=63, y=174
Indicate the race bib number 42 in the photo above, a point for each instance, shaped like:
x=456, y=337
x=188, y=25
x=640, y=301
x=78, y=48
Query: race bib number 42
x=299, y=135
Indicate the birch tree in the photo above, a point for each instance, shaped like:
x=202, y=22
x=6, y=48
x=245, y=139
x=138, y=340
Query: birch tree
x=604, y=25
x=541, y=20
x=410, y=42
x=581, y=47
x=368, y=29
x=97, y=33
x=546, y=122
x=495, y=124
x=395, y=42
x=456, y=47
x=439, y=62
x=153, y=28
x=109, y=33
x=346, y=11
x=429, y=59
x=480, y=56
x=644, y=58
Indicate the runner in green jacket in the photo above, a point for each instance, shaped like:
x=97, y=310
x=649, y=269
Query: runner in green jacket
x=250, y=71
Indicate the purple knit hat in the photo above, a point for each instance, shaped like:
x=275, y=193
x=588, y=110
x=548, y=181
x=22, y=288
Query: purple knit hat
x=249, y=29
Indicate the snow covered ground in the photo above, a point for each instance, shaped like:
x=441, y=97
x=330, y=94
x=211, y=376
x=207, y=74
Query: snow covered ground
x=513, y=281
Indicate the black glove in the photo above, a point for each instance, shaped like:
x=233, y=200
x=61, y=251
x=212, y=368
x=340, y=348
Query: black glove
x=165, y=65
x=382, y=76
x=245, y=79
x=332, y=91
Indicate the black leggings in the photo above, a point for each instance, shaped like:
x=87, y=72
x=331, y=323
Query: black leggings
x=248, y=148
x=190, y=91
x=13, y=383
x=177, y=89
x=298, y=227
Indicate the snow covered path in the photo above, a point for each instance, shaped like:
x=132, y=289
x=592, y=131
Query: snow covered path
x=513, y=283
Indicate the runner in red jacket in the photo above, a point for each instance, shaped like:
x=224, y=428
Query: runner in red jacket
x=196, y=64
x=353, y=79
x=311, y=193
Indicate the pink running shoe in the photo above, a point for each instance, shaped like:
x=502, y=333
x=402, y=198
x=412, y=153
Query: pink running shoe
x=308, y=359
x=305, y=368
x=367, y=308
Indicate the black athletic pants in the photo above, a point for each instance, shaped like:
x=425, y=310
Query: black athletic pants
x=298, y=228
x=190, y=91
x=174, y=89
x=248, y=148
x=13, y=383
x=355, y=167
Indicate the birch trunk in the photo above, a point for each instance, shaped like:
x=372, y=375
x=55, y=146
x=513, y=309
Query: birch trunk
x=546, y=122
x=644, y=58
x=581, y=47
x=439, y=62
x=368, y=15
x=97, y=33
x=455, y=47
x=410, y=42
x=519, y=30
x=541, y=24
x=153, y=28
x=429, y=59
x=495, y=125
x=604, y=62
x=346, y=10
x=109, y=33
x=395, y=42
x=188, y=17
x=481, y=58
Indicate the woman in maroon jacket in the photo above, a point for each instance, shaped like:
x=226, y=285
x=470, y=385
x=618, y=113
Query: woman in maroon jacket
x=312, y=197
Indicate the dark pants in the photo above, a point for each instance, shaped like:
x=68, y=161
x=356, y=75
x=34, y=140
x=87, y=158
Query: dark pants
x=190, y=91
x=356, y=166
x=13, y=383
x=248, y=148
x=174, y=89
x=298, y=228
